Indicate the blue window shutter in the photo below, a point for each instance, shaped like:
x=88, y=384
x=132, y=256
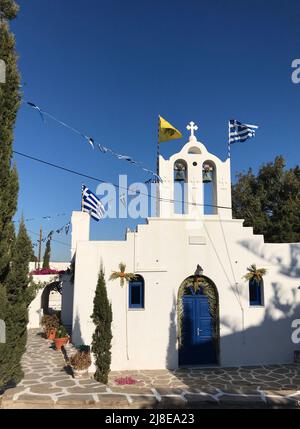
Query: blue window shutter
x=136, y=293
x=255, y=292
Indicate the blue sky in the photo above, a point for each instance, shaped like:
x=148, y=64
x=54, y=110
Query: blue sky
x=109, y=67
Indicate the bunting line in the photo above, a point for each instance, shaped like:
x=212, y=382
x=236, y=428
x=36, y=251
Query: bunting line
x=77, y=173
x=91, y=140
x=49, y=236
x=31, y=219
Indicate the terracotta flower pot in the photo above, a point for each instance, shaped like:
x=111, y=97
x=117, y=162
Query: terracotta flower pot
x=51, y=334
x=59, y=342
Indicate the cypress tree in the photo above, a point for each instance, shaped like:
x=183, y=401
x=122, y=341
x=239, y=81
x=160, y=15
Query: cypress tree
x=18, y=295
x=4, y=361
x=9, y=104
x=17, y=282
x=102, y=318
x=47, y=254
x=15, y=252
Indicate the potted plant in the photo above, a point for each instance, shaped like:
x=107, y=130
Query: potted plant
x=80, y=362
x=255, y=275
x=50, y=324
x=61, y=337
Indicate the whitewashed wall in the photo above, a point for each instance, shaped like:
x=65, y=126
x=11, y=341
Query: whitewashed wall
x=165, y=252
x=161, y=253
x=34, y=310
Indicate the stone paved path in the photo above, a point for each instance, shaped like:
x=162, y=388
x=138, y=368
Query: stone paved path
x=48, y=383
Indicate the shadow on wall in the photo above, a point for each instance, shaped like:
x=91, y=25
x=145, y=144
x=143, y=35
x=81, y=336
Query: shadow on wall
x=76, y=332
x=294, y=269
x=172, y=359
x=291, y=270
x=269, y=342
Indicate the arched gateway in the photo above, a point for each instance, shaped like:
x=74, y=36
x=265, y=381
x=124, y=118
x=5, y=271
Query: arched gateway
x=51, y=298
x=198, y=322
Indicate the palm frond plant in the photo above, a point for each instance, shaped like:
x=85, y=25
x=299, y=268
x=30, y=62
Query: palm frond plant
x=254, y=273
x=122, y=275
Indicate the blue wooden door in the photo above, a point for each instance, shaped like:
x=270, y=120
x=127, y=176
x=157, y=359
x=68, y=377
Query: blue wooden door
x=197, y=336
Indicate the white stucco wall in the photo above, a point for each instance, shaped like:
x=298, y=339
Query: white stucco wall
x=34, y=310
x=195, y=155
x=59, y=266
x=165, y=252
x=161, y=253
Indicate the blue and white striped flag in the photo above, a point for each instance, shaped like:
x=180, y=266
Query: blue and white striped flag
x=91, y=204
x=239, y=132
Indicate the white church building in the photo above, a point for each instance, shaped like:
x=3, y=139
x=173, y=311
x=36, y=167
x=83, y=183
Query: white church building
x=189, y=304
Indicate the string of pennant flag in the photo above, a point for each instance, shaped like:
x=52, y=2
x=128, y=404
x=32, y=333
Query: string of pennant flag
x=48, y=217
x=238, y=132
x=93, y=143
x=50, y=235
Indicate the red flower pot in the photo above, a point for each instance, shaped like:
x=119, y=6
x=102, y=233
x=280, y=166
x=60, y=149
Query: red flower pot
x=51, y=334
x=59, y=342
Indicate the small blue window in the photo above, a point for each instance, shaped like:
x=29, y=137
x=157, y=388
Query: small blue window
x=136, y=293
x=256, y=292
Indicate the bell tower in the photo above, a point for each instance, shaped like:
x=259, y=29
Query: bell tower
x=186, y=177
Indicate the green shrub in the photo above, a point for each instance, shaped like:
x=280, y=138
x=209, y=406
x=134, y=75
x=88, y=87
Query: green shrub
x=102, y=318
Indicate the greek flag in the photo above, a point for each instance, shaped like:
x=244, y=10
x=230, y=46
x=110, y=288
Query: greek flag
x=91, y=204
x=239, y=132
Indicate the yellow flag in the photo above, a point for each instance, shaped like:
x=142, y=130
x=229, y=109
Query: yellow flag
x=167, y=131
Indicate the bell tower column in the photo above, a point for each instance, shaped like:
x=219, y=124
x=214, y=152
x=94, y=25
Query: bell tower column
x=195, y=197
x=205, y=177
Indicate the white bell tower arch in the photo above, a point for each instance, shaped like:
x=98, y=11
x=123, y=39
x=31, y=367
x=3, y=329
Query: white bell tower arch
x=193, y=166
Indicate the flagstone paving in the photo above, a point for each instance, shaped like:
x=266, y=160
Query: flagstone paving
x=48, y=383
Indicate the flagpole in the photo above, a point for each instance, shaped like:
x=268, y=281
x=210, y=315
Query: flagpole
x=40, y=248
x=157, y=168
x=158, y=149
x=82, y=197
x=229, y=146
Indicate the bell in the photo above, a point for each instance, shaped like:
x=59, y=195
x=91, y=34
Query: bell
x=207, y=176
x=180, y=176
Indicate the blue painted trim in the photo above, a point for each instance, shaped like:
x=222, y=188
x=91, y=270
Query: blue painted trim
x=136, y=284
x=255, y=291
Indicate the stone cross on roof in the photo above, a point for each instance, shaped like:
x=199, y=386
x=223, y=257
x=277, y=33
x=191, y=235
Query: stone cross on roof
x=192, y=127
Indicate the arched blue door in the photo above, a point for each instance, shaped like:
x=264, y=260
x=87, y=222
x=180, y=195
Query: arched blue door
x=197, y=346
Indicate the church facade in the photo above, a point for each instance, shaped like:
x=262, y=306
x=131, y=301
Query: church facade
x=189, y=304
